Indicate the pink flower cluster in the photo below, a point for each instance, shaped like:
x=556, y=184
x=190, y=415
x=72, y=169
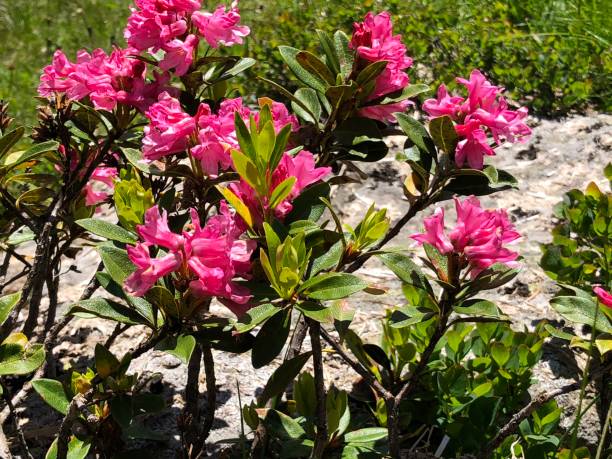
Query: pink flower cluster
x=484, y=111
x=106, y=79
x=374, y=41
x=210, y=258
x=209, y=136
x=301, y=166
x=478, y=238
x=156, y=25
x=603, y=296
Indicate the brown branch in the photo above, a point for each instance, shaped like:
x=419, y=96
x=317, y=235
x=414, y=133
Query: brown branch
x=22, y=441
x=119, y=328
x=211, y=392
x=363, y=372
x=190, y=417
x=320, y=441
x=78, y=403
x=524, y=413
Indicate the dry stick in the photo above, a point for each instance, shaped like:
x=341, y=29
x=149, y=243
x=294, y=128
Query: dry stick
x=524, y=413
x=320, y=441
x=365, y=374
x=5, y=451
x=52, y=290
x=119, y=328
x=211, y=392
x=191, y=411
x=22, y=441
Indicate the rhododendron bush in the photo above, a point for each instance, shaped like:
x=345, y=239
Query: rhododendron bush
x=213, y=216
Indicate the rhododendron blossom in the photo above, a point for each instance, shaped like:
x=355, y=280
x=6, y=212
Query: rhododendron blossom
x=210, y=258
x=208, y=136
x=484, y=111
x=374, y=41
x=479, y=237
x=221, y=27
x=603, y=296
x=105, y=79
x=301, y=166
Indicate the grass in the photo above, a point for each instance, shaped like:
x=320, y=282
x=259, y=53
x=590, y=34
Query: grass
x=554, y=55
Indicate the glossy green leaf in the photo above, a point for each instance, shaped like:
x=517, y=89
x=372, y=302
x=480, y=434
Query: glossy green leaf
x=181, y=347
x=23, y=362
x=7, y=303
x=282, y=377
x=332, y=286
x=255, y=316
x=310, y=109
x=443, y=133
x=107, y=230
x=9, y=139
x=581, y=311
x=271, y=338
x=53, y=393
x=105, y=309
x=116, y=262
x=406, y=270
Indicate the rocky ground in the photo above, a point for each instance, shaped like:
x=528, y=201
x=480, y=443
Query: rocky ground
x=563, y=154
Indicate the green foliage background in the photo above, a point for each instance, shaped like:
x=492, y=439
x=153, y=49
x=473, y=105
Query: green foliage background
x=554, y=55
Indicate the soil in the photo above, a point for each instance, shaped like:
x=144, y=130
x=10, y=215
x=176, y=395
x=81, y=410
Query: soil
x=562, y=154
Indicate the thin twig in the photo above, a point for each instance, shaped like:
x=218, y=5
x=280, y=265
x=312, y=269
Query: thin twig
x=524, y=413
x=190, y=424
x=119, y=328
x=22, y=441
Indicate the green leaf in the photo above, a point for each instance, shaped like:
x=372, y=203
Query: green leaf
x=315, y=66
x=246, y=169
x=310, y=109
x=475, y=307
x=237, y=204
x=417, y=133
x=408, y=92
x=34, y=152
x=316, y=311
x=337, y=410
x=181, y=347
x=406, y=270
x=105, y=309
x=331, y=55
x=443, y=134
x=9, y=139
x=77, y=449
x=282, y=190
x=308, y=205
x=500, y=353
x=255, y=316
x=304, y=394
x=243, y=64
x=53, y=393
x=328, y=259
x=271, y=339
x=581, y=311
x=331, y=286
x=116, y=262
x=7, y=303
x=371, y=72
x=409, y=315
x=282, y=377
x=106, y=363
x=345, y=54
x=366, y=435
x=107, y=230
x=284, y=426
x=289, y=55
x=23, y=362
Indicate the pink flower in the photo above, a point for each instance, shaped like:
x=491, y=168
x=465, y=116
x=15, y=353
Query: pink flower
x=169, y=128
x=103, y=175
x=217, y=256
x=484, y=112
x=478, y=238
x=217, y=134
x=374, y=41
x=105, y=79
x=155, y=230
x=302, y=167
x=221, y=27
x=603, y=296
x=444, y=105
x=384, y=112
x=149, y=270
x=179, y=54
x=434, y=233
x=210, y=258
x=474, y=147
